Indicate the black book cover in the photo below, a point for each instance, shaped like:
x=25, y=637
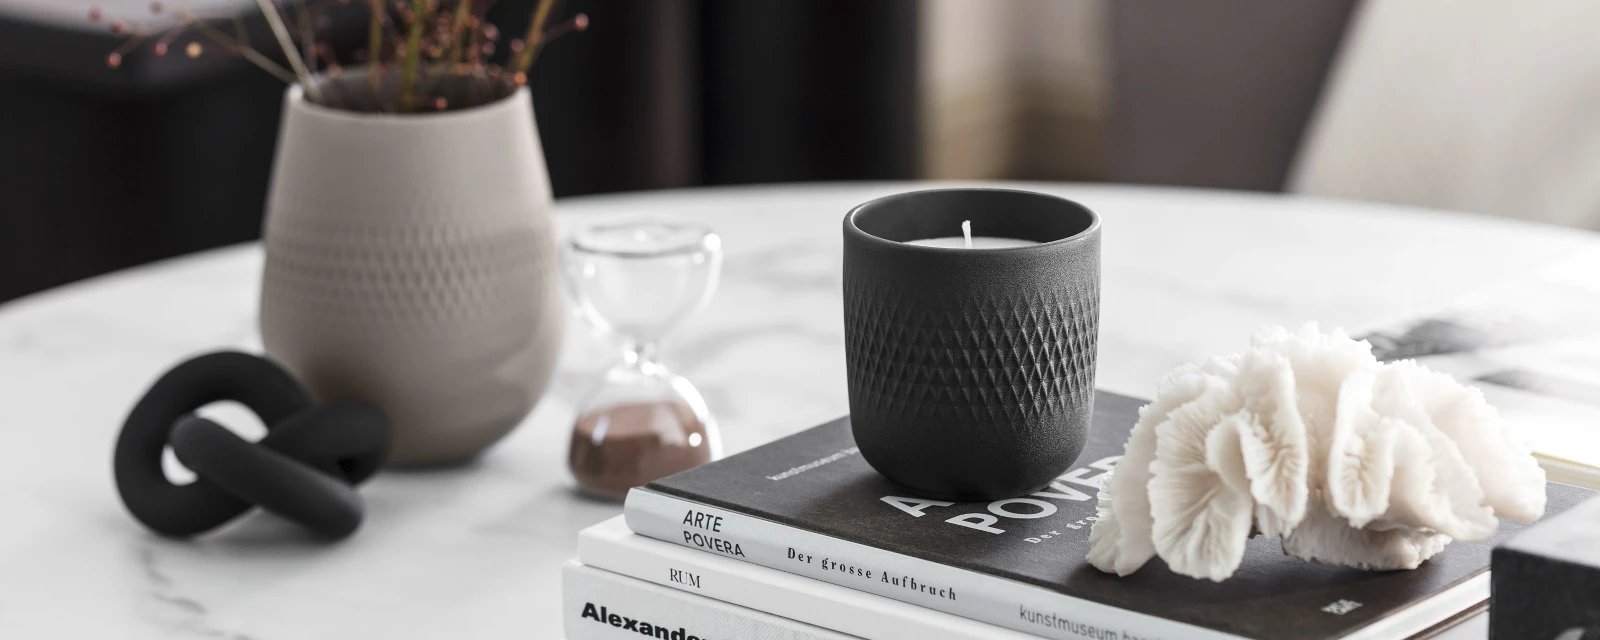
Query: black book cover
x=814, y=481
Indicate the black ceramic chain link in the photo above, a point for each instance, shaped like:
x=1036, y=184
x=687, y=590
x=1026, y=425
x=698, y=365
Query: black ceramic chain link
x=303, y=469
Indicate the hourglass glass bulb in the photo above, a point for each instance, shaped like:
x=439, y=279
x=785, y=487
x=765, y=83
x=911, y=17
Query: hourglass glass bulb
x=637, y=279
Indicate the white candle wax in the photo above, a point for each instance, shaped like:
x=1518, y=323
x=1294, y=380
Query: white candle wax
x=978, y=242
x=967, y=241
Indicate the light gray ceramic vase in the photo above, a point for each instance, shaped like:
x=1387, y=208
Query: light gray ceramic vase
x=411, y=261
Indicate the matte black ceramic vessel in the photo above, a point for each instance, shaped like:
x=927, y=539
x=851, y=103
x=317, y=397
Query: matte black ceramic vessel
x=971, y=371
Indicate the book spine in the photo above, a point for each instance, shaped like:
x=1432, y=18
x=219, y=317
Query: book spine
x=600, y=605
x=796, y=597
x=960, y=592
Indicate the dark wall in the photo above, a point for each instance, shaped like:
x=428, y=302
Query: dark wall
x=106, y=169
x=103, y=169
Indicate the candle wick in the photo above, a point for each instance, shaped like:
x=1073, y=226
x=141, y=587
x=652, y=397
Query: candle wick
x=966, y=232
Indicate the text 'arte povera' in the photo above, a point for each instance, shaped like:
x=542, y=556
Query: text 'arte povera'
x=705, y=522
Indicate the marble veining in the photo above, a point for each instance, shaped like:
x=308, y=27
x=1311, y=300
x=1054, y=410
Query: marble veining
x=475, y=551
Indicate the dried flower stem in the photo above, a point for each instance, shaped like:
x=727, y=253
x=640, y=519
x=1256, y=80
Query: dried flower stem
x=308, y=37
x=289, y=50
x=458, y=27
x=535, y=36
x=375, y=40
x=421, y=55
x=252, y=55
x=167, y=38
x=413, y=51
x=114, y=59
x=578, y=22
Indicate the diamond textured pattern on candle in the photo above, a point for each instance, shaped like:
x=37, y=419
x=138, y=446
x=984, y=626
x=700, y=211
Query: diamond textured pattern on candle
x=990, y=359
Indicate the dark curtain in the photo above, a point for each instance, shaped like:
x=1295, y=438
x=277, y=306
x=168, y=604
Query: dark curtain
x=671, y=93
x=107, y=169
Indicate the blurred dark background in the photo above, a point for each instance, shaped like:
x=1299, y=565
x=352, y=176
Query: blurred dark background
x=109, y=168
x=104, y=169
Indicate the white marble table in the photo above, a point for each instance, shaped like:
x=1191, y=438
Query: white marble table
x=473, y=552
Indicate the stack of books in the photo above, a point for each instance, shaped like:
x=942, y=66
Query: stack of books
x=801, y=539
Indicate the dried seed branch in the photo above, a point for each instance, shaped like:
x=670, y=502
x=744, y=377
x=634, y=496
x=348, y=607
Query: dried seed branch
x=255, y=57
x=535, y=35
x=408, y=64
x=289, y=51
x=420, y=55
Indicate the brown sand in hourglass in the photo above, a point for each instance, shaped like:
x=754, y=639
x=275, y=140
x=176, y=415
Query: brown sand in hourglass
x=619, y=447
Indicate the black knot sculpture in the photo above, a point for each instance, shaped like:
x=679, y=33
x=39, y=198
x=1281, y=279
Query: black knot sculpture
x=304, y=469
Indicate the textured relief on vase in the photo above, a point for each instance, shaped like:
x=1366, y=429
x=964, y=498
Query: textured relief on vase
x=411, y=262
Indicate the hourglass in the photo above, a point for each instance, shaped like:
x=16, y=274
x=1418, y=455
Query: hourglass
x=637, y=280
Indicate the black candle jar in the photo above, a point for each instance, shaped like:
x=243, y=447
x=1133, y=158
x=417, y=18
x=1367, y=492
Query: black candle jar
x=971, y=371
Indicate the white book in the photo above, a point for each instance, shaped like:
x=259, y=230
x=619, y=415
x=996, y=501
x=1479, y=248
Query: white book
x=610, y=545
x=601, y=605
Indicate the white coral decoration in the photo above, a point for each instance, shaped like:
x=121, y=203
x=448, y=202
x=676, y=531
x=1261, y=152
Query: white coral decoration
x=1307, y=436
